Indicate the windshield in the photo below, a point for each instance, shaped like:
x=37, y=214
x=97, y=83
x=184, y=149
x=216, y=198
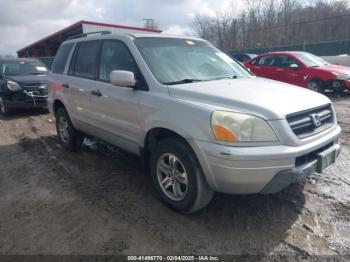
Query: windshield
x=311, y=60
x=175, y=61
x=23, y=68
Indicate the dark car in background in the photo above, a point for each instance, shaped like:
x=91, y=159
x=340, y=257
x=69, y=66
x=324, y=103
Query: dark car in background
x=242, y=57
x=23, y=84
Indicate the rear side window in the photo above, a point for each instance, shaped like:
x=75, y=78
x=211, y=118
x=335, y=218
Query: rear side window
x=61, y=59
x=84, y=64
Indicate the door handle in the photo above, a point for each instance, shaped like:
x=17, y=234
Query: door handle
x=65, y=85
x=96, y=93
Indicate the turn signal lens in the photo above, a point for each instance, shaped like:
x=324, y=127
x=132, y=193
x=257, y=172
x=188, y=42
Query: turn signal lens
x=223, y=134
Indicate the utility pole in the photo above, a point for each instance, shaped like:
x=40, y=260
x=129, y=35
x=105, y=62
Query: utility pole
x=149, y=23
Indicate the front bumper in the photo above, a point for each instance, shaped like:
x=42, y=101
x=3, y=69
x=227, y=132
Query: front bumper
x=286, y=177
x=268, y=169
x=22, y=100
x=338, y=85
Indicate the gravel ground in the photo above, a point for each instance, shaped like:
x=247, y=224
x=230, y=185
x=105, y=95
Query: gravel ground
x=101, y=202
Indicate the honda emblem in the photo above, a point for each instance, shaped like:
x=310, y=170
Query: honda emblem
x=316, y=120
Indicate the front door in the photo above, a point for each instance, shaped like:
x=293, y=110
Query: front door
x=263, y=67
x=115, y=108
x=285, y=73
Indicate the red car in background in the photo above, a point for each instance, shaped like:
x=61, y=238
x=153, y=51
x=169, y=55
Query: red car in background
x=301, y=69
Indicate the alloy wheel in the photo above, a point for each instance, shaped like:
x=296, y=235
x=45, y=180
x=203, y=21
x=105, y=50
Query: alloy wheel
x=172, y=177
x=63, y=129
x=313, y=86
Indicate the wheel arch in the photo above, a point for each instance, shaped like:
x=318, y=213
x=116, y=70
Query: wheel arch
x=319, y=80
x=315, y=79
x=152, y=138
x=56, y=105
x=156, y=134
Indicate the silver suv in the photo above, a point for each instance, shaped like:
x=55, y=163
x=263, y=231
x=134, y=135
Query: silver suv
x=200, y=121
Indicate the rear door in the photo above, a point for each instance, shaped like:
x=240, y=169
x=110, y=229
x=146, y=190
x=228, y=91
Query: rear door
x=81, y=80
x=57, y=78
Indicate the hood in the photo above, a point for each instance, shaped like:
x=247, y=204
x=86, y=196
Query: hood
x=259, y=96
x=334, y=68
x=27, y=79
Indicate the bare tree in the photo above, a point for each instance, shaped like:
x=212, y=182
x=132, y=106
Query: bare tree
x=267, y=23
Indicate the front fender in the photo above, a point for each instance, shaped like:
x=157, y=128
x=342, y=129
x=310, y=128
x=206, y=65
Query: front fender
x=187, y=119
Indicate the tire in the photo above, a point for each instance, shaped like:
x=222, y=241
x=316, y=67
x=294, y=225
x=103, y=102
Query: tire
x=189, y=198
x=315, y=85
x=3, y=107
x=69, y=137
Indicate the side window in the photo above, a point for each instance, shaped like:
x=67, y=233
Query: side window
x=61, y=58
x=115, y=56
x=266, y=61
x=284, y=61
x=85, y=60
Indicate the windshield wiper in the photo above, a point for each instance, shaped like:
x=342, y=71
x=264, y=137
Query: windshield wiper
x=225, y=77
x=183, y=81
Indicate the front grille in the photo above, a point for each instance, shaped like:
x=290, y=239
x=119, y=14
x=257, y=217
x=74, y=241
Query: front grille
x=310, y=122
x=37, y=89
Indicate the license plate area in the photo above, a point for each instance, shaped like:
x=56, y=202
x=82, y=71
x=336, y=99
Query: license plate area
x=327, y=158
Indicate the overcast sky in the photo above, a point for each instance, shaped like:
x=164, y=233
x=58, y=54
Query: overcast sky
x=25, y=21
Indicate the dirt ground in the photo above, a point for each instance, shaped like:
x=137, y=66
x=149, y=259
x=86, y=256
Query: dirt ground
x=101, y=202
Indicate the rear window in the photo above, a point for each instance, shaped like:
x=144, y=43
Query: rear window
x=61, y=58
x=84, y=64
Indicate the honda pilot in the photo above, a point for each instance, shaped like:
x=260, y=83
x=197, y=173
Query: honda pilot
x=200, y=121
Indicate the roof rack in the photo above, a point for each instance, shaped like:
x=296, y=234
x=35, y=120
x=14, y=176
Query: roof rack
x=86, y=34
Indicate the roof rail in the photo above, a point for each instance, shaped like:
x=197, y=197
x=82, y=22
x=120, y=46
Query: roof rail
x=86, y=34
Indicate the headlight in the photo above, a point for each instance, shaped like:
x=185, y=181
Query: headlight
x=13, y=86
x=341, y=76
x=237, y=127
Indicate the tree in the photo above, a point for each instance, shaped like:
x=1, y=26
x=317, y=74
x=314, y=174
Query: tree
x=267, y=23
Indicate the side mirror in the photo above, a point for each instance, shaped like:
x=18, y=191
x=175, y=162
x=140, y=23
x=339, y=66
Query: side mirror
x=122, y=78
x=294, y=66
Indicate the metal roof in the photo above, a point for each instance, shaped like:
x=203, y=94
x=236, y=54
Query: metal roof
x=80, y=23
